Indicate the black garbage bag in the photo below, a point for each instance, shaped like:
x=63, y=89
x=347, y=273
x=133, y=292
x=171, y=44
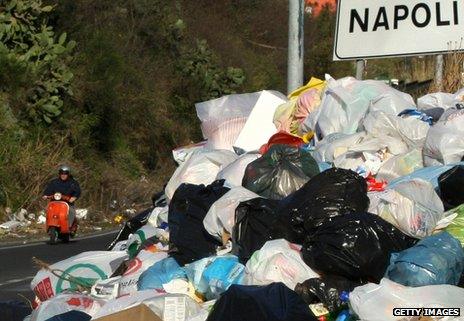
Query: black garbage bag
x=326, y=289
x=355, y=246
x=280, y=171
x=73, y=315
x=189, y=240
x=451, y=186
x=331, y=193
x=254, y=220
x=131, y=226
x=274, y=302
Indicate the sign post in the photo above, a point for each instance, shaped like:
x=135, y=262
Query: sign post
x=380, y=28
x=439, y=72
x=295, y=44
x=359, y=69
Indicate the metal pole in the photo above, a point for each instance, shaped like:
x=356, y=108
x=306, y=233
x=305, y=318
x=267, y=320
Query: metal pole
x=439, y=72
x=295, y=44
x=359, y=69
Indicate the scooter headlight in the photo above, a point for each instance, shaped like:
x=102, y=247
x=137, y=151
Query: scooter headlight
x=57, y=196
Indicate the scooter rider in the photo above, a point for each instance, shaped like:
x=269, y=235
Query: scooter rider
x=66, y=185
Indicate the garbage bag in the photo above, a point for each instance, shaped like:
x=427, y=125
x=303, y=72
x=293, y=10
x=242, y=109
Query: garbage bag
x=189, y=240
x=375, y=302
x=234, y=172
x=160, y=273
x=221, y=215
x=445, y=140
x=331, y=193
x=411, y=130
x=283, y=116
x=451, y=186
x=86, y=268
x=355, y=246
x=438, y=99
x=131, y=226
x=456, y=227
x=166, y=306
x=326, y=289
x=73, y=315
x=274, y=302
x=279, y=172
x=199, y=168
x=138, y=265
x=65, y=302
x=412, y=206
x=278, y=261
x=437, y=259
x=135, y=241
x=282, y=138
x=214, y=275
x=346, y=101
x=400, y=165
x=15, y=310
x=254, y=220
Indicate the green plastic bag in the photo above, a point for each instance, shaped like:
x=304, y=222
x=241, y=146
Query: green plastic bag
x=456, y=228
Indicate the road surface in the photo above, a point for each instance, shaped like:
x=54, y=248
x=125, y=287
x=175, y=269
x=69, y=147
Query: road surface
x=17, y=270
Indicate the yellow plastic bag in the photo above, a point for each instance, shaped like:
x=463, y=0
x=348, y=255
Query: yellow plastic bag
x=314, y=83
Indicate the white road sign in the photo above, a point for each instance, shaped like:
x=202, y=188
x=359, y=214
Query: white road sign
x=385, y=28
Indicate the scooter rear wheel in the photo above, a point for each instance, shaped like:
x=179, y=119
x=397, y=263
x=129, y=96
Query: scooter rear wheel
x=53, y=233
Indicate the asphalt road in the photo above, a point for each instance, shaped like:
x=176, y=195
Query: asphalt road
x=17, y=270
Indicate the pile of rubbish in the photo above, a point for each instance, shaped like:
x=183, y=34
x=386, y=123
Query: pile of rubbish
x=342, y=201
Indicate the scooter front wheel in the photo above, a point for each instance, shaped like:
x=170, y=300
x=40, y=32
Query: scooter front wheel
x=53, y=233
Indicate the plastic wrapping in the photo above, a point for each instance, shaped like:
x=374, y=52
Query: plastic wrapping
x=199, y=168
x=279, y=172
x=437, y=259
x=278, y=261
x=254, y=220
x=400, y=165
x=233, y=173
x=375, y=302
x=221, y=215
x=160, y=273
x=87, y=267
x=451, y=187
x=326, y=289
x=412, y=206
x=65, y=302
x=445, y=140
x=214, y=275
x=355, y=246
x=331, y=193
x=189, y=240
x=274, y=302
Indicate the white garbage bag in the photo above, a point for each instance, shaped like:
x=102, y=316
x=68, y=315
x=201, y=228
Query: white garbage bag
x=164, y=305
x=434, y=100
x=400, y=165
x=278, y=261
x=412, y=206
x=181, y=154
x=199, y=168
x=234, y=172
x=136, y=239
x=410, y=130
x=336, y=144
x=221, y=215
x=445, y=140
x=346, y=101
x=66, y=302
x=158, y=216
x=375, y=302
x=87, y=268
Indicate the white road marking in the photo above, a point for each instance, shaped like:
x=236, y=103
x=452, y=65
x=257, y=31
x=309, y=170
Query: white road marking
x=16, y=281
x=42, y=242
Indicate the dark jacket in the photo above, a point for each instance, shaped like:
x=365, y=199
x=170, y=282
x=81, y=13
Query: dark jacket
x=68, y=187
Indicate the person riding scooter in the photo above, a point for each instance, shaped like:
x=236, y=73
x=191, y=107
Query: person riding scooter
x=70, y=191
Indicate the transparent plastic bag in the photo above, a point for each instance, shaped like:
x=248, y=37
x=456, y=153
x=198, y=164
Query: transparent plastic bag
x=233, y=173
x=400, y=165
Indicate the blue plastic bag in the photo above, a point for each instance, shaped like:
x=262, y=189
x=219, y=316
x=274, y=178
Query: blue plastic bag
x=214, y=275
x=160, y=273
x=437, y=259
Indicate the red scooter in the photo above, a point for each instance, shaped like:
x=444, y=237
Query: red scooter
x=57, y=220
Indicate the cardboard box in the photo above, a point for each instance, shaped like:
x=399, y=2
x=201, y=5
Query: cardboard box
x=138, y=313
